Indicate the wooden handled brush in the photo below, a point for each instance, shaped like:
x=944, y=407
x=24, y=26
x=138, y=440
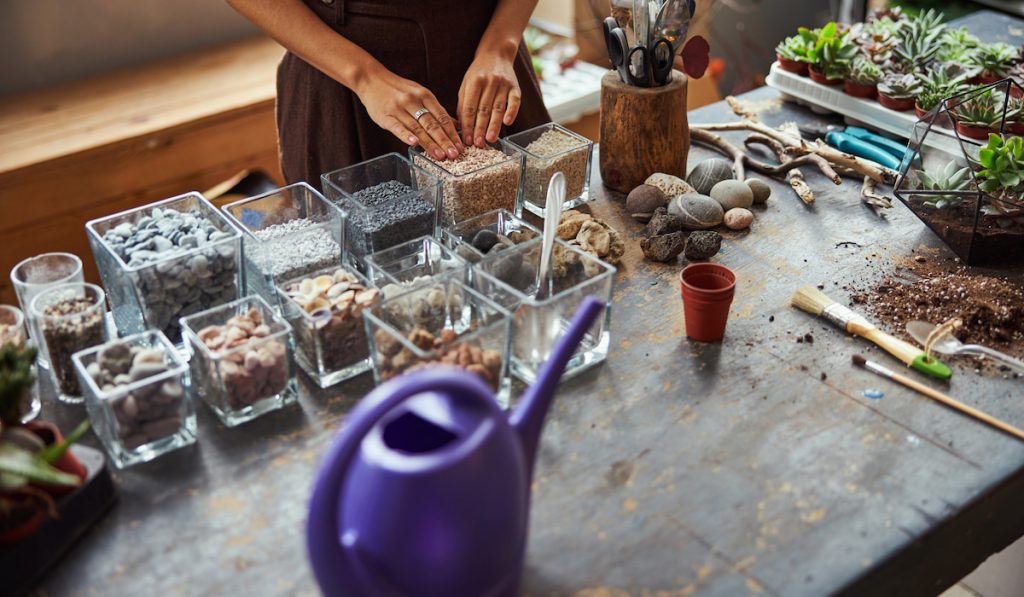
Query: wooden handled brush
x=815, y=302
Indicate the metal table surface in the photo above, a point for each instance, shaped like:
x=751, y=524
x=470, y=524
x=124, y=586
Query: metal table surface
x=753, y=466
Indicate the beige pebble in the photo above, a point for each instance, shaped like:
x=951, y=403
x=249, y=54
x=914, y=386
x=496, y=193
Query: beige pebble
x=738, y=218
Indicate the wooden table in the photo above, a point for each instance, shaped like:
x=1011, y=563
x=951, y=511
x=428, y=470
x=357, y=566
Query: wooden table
x=675, y=468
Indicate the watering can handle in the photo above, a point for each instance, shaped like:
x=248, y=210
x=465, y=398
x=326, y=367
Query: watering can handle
x=323, y=542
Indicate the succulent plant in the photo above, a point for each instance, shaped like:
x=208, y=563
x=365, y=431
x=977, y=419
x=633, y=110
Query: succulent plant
x=15, y=377
x=833, y=51
x=947, y=77
x=797, y=47
x=899, y=86
x=995, y=60
x=1002, y=166
x=928, y=99
x=946, y=178
x=864, y=72
x=920, y=39
x=981, y=110
x=876, y=38
x=957, y=45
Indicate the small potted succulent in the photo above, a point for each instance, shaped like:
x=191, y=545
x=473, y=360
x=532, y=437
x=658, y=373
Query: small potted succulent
x=994, y=61
x=957, y=46
x=862, y=78
x=948, y=178
x=937, y=84
x=876, y=38
x=975, y=117
x=920, y=40
x=1015, y=115
x=793, y=52
x=897, y=91
x=831, y=55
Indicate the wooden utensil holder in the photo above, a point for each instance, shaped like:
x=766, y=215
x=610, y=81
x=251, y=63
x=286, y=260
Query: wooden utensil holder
x=643, y=130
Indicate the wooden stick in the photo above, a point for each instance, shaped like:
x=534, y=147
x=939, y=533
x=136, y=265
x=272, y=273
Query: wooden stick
x=795, y=177
x=873, y=197
x=780, y=151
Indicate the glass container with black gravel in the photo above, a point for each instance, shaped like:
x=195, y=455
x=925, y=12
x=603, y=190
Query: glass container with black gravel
x=551, y=148
x=71, y=317
x=287, y=233
x=478, y=181
x=164, y=261
x=494, y=231
x=387, y=201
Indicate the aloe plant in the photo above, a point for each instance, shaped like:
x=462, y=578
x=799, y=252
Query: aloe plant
x=899, y=86
x=833, y=51
x=946, y=178
x=864, y=72
x=920, y=39
x=16, y=377
x=797, y=47
x=995, y=60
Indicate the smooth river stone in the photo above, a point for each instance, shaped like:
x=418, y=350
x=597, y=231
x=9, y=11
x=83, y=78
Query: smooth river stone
x=672, y=186
x=696, y=211
x=738, y=218
x=760, y=189
x=644, y=199
x=708, y=173
x=732, y=194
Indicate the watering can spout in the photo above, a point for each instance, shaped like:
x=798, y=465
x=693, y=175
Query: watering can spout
x=528, y=417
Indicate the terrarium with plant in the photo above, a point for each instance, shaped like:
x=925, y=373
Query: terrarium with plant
x=969, y=191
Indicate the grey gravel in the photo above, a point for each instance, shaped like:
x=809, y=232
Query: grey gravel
x=396, y=214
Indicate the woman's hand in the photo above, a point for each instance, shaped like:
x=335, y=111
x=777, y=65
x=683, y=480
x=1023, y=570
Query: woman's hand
x=392, y=102
x=488, y=97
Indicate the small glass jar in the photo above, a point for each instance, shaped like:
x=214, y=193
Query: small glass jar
x=495, y=230
x=551, y=148
x=325, y=311
x=510, y=279
x=412, y=263
x=157, y=273
x=287, y=233
x=442, y=323
x=12, y=331
x=34, y=275
x=387, y=201
x=240, y=359
x=478, y=181
x=72, y=317
x=135, y=394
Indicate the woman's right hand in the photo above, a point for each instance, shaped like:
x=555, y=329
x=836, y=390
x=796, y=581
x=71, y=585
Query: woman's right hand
x=392, y=101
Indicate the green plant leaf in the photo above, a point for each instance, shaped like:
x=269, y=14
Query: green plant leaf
x=829, y=31
x=51, y=453
x=17, y=462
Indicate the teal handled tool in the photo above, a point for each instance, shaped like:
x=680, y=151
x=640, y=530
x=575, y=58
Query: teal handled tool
x=861, y=143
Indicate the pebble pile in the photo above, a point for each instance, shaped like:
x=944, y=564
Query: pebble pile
x=477, y=181
x=395, y=213
x=193, y=271
x=395, y=358
x=150, y=412
x=296, y=248
x=555, y=151
x=260, y=371
x=487, y=241
x=427, y=305
x=64, y=336
x=334, y=333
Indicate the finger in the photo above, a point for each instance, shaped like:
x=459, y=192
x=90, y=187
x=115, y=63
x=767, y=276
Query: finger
x=447, y=125
x=430, y=147
x=400, y=130
x=438, y=134
x=467, y=109
x=483, y=114
x=497, y=112
x=512, y=110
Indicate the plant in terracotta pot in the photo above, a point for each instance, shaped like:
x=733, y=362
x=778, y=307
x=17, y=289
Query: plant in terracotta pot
x=862, y=78
x=957, y=46
x=1015, y=115
x=793, y=52
x=994, y=61
x=978, y=116
x=920, y=40
x=876, y=38
x=938, y=83
x=947, y=178
x=897, y=91
x=832, y=54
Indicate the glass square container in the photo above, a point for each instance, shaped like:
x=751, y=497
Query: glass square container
x=469, y=240
x=326, y=315
x=442, y=323
x=473, y=184
x=413, y=263
x=71, y=317
x=510, y=279
x=136, y=395
x=286, y=234
x=246, y=375
x=34, y=275
x=387, y=201
x=198, y=271
x=551, y=148
x=13, y=332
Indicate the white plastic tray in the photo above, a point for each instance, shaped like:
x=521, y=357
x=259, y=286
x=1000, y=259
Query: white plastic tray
x=574, y=92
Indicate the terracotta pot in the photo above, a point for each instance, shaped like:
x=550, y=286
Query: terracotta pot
x=792, y=66
x=974, y=132
x=707, y=290
x=987, y=79
x=819, y=77
x=898, y=104
x=858, y=90
x=67, y=463
x=1015, y=128
x=27, y=527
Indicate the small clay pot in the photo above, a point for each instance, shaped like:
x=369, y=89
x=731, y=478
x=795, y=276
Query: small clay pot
x=973, y=132
x=30, y=525
x=67, y=463
x=901, y=104
x=792, y=66
x=819, y=77
x=707, y=290
x=1015, y=128
x=858, y=90
x=986, y=78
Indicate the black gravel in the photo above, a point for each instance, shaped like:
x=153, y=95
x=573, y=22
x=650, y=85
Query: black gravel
x=398, y=215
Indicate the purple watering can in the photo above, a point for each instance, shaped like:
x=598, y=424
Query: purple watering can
x=427, y=489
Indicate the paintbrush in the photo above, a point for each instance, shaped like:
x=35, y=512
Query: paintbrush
x=936, y=395
x=815, y=302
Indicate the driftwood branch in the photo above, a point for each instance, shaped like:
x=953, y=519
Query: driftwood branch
x=871, y=196
x=794, y=176
x=780, y=150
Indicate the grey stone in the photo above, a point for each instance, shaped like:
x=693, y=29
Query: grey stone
x=115, y=358
x=708, y=173
x=644, y=199
x=696, y=212
x=760, y=189
x=732, y=194
x=703, y=245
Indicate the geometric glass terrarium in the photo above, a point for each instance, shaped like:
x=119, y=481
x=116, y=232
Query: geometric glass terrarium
x=968, y=185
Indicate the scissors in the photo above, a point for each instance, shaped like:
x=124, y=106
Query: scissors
x=639, y=65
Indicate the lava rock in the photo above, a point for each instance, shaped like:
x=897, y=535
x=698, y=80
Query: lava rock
x=732, y=194
x=665, y=247
x=644, y=199
x=671, y=186
x=708, y=173
x=696, y=211
x=663, y=224
x=738, y=218
x=703, y=245
x=760, y=189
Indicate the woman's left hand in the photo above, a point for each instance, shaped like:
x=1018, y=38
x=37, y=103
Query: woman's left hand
x=489, y=97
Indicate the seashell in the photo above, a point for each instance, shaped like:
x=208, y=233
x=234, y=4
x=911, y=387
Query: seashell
x=307, y=287
x=320, y=318
x=322, y=283
x=343, y=275
x=261, y=330
x=337, y=289
x=318, y=303
x=367, y=296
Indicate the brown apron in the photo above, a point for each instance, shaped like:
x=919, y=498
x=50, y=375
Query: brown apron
x=322, y=126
